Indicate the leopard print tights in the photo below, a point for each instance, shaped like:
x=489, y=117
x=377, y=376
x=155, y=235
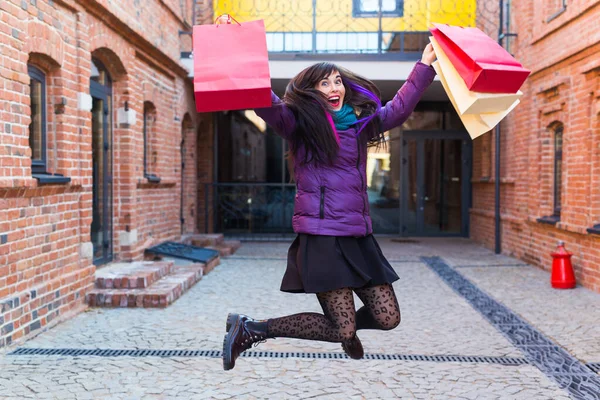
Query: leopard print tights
x=339, y=321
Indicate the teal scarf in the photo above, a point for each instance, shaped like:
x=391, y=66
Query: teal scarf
x=344, y=118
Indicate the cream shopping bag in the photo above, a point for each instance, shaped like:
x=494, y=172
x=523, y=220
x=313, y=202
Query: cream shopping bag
x=476, y=124
x=469, y=102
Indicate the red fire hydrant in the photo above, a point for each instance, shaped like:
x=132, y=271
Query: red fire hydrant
x=562, y=270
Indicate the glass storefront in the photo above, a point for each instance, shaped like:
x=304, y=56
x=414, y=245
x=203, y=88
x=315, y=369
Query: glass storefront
x=417, y=180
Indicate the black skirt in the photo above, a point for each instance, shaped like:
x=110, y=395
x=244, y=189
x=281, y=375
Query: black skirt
x=322, y=263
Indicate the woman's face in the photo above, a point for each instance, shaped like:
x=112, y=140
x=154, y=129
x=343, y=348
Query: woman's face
x=332, y=87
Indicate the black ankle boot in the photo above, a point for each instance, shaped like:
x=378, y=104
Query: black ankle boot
x=353, y=347
x=242, y=333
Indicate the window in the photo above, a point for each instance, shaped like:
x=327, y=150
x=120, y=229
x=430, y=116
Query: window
x=37, y=126
x=558, y=150
x=370, y=8
x=557, y=130
x=149, y=121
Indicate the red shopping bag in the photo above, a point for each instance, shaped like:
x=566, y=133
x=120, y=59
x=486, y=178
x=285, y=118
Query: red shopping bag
x=483, y=64
x=231, y=67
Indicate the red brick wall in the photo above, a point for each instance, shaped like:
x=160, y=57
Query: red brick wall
x=45, y=249
x=564, y=88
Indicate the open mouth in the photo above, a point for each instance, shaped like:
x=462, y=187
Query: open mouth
x=334, y=101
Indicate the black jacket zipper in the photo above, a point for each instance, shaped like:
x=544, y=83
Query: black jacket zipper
x=322, y=208
x=362, y=183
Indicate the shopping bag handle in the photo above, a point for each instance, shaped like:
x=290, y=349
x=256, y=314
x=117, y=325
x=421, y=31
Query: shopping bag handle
x=229, y=19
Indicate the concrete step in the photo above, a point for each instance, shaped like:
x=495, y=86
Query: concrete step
x=160, y=294
x=134, y=275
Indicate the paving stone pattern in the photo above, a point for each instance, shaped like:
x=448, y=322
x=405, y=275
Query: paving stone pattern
x=436, y=321
x=570, y=317
x=559, y=365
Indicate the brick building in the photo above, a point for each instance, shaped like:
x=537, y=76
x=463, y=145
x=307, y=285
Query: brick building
x=98, y=146
x=550, y=144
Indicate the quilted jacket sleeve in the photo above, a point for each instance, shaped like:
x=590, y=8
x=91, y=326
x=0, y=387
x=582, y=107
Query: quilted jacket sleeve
x=278, y=116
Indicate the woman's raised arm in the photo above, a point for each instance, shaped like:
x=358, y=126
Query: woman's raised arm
x=397, y=110
x=279, y=117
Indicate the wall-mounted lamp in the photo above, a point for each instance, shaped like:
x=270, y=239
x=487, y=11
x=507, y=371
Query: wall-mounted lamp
x=125, y=116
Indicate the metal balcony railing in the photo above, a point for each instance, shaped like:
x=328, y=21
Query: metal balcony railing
x=397, y=29
x=249, y=208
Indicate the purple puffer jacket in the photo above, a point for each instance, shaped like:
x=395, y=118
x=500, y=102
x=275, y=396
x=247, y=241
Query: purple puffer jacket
x=332, y=200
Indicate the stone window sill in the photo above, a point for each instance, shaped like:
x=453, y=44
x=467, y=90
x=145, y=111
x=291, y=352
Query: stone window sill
x=152, y=178
x=51, y=179
x=154, y=184
x=550, y=219
x=488, y=179
x=594, y=230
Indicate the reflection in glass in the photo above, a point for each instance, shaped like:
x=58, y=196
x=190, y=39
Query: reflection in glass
x=98, y=74
x=373, y=5
x=98, y=161
x=35, y=127
x=383, y=184
x=443, y=195
x=434, y=186
x=410, y=219
x=558, y=149
x=101, y=228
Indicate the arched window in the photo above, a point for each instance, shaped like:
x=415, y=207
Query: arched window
x=37, y=126
x=558, y=151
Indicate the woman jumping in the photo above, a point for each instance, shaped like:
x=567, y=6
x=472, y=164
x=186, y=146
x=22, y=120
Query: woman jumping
x=329, y=116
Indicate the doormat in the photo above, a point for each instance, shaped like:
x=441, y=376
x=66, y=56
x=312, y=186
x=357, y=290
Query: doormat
x=400, y=240
x=185, y=251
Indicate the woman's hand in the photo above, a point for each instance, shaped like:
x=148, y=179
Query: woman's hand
x=224, y=19
x=428, y=55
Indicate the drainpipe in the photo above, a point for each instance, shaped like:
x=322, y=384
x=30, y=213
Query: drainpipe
x=497, y=221
x=217, y=118
x=498, y=247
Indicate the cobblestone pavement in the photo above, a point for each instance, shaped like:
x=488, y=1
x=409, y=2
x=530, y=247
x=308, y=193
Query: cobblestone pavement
x=435, y=321
x=570, y=317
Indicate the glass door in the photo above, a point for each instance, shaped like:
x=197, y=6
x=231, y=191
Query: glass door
x=101, y=228
x=436, y=177
x=383, y=184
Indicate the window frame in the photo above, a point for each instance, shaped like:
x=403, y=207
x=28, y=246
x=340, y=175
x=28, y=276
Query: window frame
x=357, y=11
x=39, y=166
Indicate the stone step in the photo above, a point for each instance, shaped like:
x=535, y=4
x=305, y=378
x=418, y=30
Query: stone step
x=226, y=248
x=209, y=266
x=161, y=294
x=234, y=244
x=134, y=275
x=204, y=240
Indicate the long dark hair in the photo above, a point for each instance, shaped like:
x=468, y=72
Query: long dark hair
x=314, y=129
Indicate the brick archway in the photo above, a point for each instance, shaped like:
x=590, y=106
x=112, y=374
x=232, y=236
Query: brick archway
x=45, y=40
